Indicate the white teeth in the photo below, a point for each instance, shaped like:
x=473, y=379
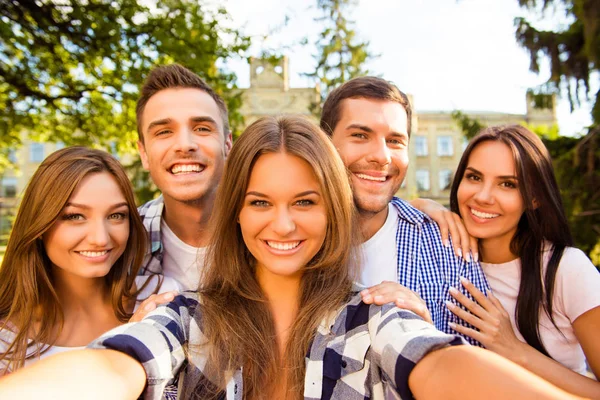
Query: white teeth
x=92, y=254
x=185, y=168
x=480, y=214
x=283, y=246
x=371, y=178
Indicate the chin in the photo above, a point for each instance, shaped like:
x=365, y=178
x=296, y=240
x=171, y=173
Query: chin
x=372, y=205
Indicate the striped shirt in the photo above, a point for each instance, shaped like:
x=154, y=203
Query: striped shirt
x=428, y=268
x=151, y=214
x=361, y=351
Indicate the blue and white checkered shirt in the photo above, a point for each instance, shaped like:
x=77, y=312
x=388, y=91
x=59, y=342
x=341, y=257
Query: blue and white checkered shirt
x=360, y=352
x=151, y=214
x=427, y=267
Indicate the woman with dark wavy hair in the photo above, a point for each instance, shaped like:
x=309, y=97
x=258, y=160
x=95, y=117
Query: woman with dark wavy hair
x=544, y=310
x=276, y=316
x=69, y=271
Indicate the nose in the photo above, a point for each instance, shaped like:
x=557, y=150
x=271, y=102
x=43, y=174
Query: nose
x=283, y=224
x=380, y=153
x=485, y=194
x=98, y=234
x=185, y=142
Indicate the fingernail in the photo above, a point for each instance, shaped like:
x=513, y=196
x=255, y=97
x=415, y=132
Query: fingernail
x=378, y=298
x=464, y=280
x=453, y=290
x=364, y=292
x=452, y=325
x=446, y=243
x=459, y=252
x=449, y=304
x=476, y=257
x=170, y=296
x=468, y=257
x=149, y=307
x=400, y=302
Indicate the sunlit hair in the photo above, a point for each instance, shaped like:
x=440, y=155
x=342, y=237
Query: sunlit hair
x=365, y=87
x=236, y=319
x=543, y=220
x=175, y=76
x=29, y=305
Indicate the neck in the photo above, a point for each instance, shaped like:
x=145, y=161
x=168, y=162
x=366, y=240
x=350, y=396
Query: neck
x=189, y=221
x=283, y=295
x=79, y=295
x=496, y=251
x=370, y=222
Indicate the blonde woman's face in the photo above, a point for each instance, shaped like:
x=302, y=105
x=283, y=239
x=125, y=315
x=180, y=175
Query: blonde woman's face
x=283, y=218
x=92, y=231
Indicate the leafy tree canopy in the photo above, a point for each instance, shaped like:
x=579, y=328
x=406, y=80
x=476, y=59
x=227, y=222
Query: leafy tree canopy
x=70, y=69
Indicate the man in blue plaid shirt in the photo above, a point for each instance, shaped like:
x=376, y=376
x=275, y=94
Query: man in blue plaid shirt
x=369, y=121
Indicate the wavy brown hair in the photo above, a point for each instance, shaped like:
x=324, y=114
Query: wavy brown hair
x=29, y=305
x=543, y=220
x=236, y=318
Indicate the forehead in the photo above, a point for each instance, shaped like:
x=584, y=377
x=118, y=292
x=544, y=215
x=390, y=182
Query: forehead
x=373, y=113
x=179, y=105
x=492, y=157
x=281, y=172
x=97, y=188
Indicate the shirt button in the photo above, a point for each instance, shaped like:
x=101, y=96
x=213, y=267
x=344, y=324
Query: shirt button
x=235, y=388
x=344, y=363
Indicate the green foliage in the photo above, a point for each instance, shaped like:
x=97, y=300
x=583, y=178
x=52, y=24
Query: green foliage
x=341, y=55
x=469, y=126
x=573, y=52
x=70, y=70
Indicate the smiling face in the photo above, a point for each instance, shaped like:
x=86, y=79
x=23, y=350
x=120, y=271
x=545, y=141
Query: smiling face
x=184, y=145
x=488, y=196
x=92, y=231
x=283, y=219
x=372, y=138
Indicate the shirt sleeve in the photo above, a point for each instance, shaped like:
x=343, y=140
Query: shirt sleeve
x=577, y=283
x=400, y=339
x=158, y=342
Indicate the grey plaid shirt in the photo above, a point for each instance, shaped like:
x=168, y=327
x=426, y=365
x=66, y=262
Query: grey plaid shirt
x=151, y=214
x=362, y=351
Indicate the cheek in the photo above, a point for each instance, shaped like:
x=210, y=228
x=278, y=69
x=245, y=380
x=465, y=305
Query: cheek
x=120, y=234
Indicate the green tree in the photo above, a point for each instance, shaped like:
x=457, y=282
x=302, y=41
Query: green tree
x=70, y=69
x=573, y=54
x=341, y=55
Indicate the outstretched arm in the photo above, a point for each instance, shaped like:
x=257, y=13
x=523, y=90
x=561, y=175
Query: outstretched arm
x=78, y=374
x=468, y=372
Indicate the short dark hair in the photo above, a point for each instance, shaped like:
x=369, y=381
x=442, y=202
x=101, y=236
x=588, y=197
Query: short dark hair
x=170, y=77
x=368, y=87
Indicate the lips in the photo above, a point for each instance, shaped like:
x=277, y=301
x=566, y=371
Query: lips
x=483, y=215
x=93, y=254
x=186, y=168
x=369, y=177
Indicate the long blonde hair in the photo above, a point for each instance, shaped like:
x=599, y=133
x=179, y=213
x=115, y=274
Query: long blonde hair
x=236, y=319
x=27, y=294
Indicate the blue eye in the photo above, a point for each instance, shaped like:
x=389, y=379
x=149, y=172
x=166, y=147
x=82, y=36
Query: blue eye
x=73, y=217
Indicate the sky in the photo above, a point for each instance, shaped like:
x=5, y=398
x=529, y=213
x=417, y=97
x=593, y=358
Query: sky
x=448, y=54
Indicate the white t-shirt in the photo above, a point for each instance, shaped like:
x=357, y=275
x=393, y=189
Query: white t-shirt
x=181, y=261
x=379, y=254
x=577, y=290
x=168, y=284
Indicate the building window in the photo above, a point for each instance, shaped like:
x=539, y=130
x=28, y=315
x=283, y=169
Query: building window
x=9, y=187
x=421, y=143
x=12, y=156
x=36, y=152
x=445, y=179
x=422, y=180
x=59, y=145
x=444, y=146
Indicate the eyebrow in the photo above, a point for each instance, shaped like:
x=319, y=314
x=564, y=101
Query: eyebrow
x=166, y=121
x=204, y=119
x=498, y=177
x=302, y=194
x=86, y=207
x=369, y=130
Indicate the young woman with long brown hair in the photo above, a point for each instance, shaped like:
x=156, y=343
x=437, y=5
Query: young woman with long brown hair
x=69, y=271
x=544, y=309
x=276, y=315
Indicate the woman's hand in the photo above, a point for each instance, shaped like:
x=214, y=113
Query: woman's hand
x=450, y=224
x=393, y=292
x=151, y=303
x=487, y=314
